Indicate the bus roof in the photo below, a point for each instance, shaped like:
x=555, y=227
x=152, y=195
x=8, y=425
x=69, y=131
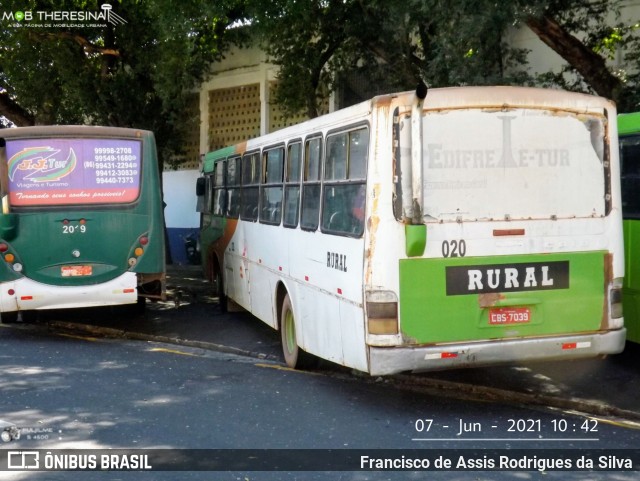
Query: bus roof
x=72, y=130
x=211, y=157
x=629, y=123
x=492, y=97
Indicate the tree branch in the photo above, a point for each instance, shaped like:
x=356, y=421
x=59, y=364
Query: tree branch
x=589, y=64
x=14, y=112
x=82, y=41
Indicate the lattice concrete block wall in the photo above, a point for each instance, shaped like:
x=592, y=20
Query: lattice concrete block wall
x=234, y=115
x=277, y=119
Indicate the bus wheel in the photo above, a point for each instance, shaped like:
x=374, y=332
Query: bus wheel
x=218, y=289
x=294, y=357
x=9, y=317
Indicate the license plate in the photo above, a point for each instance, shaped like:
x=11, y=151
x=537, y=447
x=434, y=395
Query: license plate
x=72, y=271
x=509, y=315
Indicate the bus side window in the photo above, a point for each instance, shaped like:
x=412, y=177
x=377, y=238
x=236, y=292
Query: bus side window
x=343, y=203
x=250, y=186
x=630, y=178
x=311, y=187
x=271, y=187
x=233, y=187
x=292, y=184
x=219, y=192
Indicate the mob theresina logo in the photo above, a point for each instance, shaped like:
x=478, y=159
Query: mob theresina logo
x=105, y=15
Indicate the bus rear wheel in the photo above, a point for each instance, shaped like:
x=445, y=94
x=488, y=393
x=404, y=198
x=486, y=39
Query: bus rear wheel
x=218, y=288
x=9, y=317
x=294, y=356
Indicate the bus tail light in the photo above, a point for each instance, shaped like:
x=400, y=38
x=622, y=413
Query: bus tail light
x=382, y=312
x=615, y=302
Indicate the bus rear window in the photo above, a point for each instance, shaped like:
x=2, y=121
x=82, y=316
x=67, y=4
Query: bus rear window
x=62, y=171
x=512, y=164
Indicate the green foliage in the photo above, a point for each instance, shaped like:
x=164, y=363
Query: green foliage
x=386, y=45
x=135, y=74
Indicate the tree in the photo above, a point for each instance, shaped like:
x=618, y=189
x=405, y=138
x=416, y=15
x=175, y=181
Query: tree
x=393, y=44
x=138, y=72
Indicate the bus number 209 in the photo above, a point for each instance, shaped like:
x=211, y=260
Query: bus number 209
x=72, y=229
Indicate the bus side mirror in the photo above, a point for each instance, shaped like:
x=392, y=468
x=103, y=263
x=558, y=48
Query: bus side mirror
x=8, y=226
x=200, y=186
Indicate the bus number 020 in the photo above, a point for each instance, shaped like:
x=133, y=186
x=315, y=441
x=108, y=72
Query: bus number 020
x=454, y=248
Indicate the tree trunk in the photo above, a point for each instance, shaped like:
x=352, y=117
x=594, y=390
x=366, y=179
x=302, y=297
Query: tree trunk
x=14, y=112
x=585, y=61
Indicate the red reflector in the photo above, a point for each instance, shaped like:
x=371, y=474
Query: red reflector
x=339, y=291
x=144, y=240
x=128, y=291
x=66, y=221
x=569, y=345
x=4, y=247
x=306, y=278
x=280, y=268
x=446, y=355
x=506, y=232
x=26, y=298
x=11, y=292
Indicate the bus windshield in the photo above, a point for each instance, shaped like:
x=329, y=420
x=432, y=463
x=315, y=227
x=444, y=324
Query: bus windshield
x=66, y=171
x=490, y=164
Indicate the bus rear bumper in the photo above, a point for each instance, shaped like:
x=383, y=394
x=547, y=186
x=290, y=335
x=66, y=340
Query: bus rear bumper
x=393, y=360
x=25, y=294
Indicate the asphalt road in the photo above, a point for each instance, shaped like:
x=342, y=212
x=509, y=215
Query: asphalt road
x=79, y=392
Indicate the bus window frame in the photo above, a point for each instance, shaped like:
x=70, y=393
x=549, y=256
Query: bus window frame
x=266, y=215
x=232, y=210
x=308, y=184
x=250, y=185
x=357, y=198
x=219, y=190
x=626, y=177
x=292, y=184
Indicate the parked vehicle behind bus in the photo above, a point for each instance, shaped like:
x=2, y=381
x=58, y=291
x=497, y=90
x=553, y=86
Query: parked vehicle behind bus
x=629, y=131
x=476, y=226
x=81, y=222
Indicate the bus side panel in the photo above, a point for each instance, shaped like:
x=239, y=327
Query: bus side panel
x=270, y=261
x=328, y=304
x=480, y=298
x=631, y=293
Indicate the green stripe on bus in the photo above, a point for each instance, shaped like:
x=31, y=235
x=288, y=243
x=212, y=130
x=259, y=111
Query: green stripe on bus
x=628, y=123
x=453, y=299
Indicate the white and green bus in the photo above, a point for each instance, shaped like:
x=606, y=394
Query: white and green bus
x=470, y=226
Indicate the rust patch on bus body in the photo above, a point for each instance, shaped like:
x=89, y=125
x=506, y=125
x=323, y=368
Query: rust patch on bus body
x=373, y=223
x=489, y=299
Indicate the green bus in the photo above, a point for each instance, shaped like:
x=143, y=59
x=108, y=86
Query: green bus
x=629, y=132
x=81, y=222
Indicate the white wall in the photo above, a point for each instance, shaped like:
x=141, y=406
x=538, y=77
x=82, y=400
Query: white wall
x=180, y=196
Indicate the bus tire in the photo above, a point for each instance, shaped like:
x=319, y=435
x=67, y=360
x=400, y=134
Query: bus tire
x=294, y=356
x=218, y=289
x=9, y=317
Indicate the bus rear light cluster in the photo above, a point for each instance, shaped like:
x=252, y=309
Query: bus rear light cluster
x=382, y=313
x=615, y=299
x=9, y=257
x=139, y=250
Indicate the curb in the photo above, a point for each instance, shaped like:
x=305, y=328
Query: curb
x=432, y=386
